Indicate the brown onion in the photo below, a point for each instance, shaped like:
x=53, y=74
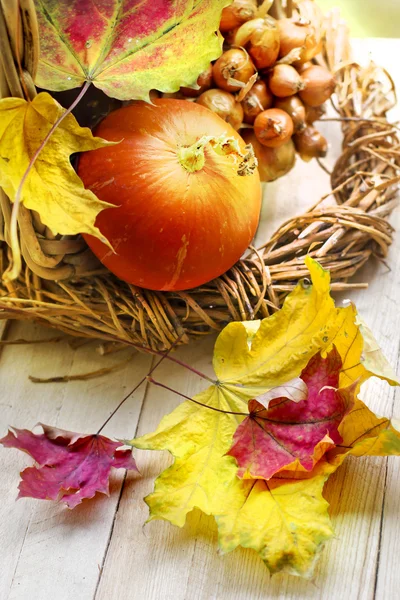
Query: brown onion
x=237, y=13
x=310, y=143
x=301, y=67
x=295, y=108
x=234, y=65
x=261, y=39
x=229, y=38
x=272, y=162
x=244, y=32
x=273, y=127
x=298, y=34
x=204, y=80
x=285, y=81
x=224, y=105
x=314, y=113
x=259, y=98
x=319, y=85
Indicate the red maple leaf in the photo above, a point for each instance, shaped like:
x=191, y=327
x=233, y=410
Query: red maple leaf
x=297, y=434
x=71, y=466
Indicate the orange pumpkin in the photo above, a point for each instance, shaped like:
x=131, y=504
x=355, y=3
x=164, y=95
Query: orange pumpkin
x=183, y=214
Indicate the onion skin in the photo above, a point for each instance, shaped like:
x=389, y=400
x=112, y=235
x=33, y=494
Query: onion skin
x=301, y=67
x=272, y=162
x=236, y=64
x=224, y=105
x=285, y=81
x=297, y=34
x=244, y=32
x=237, y=13
x=172, y=228
x=204, y=80
x=314, y=113
x=295, y=109
x=310, y=144
x=260, y=37
x=259, y=98
x=319, y=85
x=273, y=127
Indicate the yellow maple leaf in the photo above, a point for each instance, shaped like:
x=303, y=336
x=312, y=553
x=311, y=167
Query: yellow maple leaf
x=286, y=523
x=52, y=187
x=365, y=434
x=283, y=343
x=286, y=519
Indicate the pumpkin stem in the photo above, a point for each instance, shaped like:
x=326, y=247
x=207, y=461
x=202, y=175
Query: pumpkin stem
x=192, y=157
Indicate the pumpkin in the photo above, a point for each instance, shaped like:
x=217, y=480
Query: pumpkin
x=187, y=195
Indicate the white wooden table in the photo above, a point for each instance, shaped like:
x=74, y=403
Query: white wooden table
x=101, y=549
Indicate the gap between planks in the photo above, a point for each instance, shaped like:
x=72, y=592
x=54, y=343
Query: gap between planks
x=145, y=386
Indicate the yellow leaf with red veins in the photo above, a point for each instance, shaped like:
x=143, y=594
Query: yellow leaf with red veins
x=285, y=519
x=52, y=187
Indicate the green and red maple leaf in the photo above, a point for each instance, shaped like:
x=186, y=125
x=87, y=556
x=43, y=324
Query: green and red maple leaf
x=126, y=47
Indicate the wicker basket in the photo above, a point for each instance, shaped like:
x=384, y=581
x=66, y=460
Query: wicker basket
x=62, y=283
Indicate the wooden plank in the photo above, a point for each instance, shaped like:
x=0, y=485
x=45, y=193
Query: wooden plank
x=46, y=549
x=382, y=305
x=161, y=561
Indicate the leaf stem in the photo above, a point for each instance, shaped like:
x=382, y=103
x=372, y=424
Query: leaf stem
x=192, y=369
x=164, y=356
x=13, y=272
x=170, y=358
x=165, y=387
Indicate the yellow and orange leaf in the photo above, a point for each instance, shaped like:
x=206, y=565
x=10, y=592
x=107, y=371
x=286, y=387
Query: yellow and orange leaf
x=52, y=188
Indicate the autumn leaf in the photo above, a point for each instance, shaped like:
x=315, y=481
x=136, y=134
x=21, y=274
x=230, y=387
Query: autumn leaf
x=364, y=434
x=71, y=466
x=52, y=188
x=283, y=343
x=249, y=360
x=287, y=523
x=294, y=435
x=127, y=48
x=372, y=356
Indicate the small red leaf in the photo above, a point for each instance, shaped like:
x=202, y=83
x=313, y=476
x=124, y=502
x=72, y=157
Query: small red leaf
x=71, y=466
x=296, y=434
